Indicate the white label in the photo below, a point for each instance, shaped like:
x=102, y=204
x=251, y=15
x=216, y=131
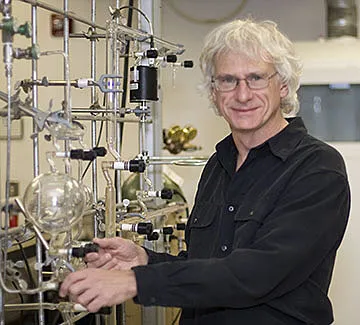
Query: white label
x=134, y=86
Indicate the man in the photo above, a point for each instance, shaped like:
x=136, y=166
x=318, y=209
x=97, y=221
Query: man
x=270, y=211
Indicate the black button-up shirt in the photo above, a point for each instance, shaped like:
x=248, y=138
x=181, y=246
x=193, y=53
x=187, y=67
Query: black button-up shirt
x=262, y=240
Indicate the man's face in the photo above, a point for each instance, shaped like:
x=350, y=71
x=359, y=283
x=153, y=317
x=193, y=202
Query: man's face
x=249, y=110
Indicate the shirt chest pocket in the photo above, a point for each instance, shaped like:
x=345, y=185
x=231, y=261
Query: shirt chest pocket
x=248, y=220
x=202, y=227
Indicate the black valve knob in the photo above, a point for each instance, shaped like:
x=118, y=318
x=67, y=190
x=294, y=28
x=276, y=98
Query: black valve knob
x=83, y=250
x=100, y=151
x=152, y=54
x=180, y=226
x=166, y=194
x=82, y=155
x=144, y=228
x=76, y=154
x=153, y=236
x=188, y=64
x=137, y=165
x=168, y=230
x=89, y=155
x=171, y=58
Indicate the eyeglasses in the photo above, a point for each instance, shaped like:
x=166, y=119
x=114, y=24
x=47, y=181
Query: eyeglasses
x=253, y=81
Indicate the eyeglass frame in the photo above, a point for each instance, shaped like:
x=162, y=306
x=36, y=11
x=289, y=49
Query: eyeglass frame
x=267, y=79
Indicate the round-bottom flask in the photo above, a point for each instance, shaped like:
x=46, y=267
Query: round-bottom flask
x=54, y=202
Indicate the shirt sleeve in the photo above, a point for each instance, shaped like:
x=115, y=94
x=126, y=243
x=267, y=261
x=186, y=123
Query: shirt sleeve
x=305, y=227
x=155, y=257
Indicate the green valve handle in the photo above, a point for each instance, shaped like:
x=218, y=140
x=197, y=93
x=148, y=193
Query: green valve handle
x=25, y=30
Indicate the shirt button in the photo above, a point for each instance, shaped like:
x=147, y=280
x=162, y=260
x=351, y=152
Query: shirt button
x=195, y=220
x=224, y=248
x=231, y=208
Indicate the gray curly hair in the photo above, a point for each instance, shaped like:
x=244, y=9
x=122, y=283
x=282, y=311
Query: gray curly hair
x=254, y=39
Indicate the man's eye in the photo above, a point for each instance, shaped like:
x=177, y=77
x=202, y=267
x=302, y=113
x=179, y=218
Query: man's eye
x=227, y=79
x=254, y=77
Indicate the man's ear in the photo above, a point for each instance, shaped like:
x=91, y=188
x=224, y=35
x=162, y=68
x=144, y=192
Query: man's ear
x=212, y=98
x=213, y=94
x=284, y=90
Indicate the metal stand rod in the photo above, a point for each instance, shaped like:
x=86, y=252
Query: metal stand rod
x=62, y=12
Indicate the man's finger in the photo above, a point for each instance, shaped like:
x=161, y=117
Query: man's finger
x=69, y=281
x=110, y=243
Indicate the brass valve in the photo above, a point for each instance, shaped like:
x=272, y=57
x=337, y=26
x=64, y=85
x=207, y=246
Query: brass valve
x=176, y=139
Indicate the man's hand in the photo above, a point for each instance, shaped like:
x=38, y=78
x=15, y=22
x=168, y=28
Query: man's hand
x=97, y=288
x=116, y=254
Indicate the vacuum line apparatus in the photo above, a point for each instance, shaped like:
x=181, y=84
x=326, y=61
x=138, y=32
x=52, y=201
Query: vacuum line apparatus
x=77, y=197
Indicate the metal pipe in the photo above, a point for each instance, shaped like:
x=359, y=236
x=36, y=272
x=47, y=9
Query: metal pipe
x=111, y=101
x=45, y=286
x=36, y=164
x=62, y=13
x=92, y=36
x=142, y=142
x=67, y=88
x=7, y=39
x=181, y=161
x=92, y=111
x=62, y=306
x=113, y=197
x=118, y=127
x=143, y=36
x=154, y=315
x=110, y=204
x=94, y=98
x=105, y=118
x=30, y=306
x=75, y=318
x=110, y=219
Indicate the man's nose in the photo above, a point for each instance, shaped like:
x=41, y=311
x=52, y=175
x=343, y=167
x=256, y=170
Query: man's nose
x=242, y=91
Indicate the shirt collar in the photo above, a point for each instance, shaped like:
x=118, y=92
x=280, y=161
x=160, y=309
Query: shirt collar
x=281, y=145
x=285, y=142
x=227, y=153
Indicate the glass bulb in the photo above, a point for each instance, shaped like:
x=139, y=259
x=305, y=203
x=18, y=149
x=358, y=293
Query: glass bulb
x=89, y=198
x=54, y=202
